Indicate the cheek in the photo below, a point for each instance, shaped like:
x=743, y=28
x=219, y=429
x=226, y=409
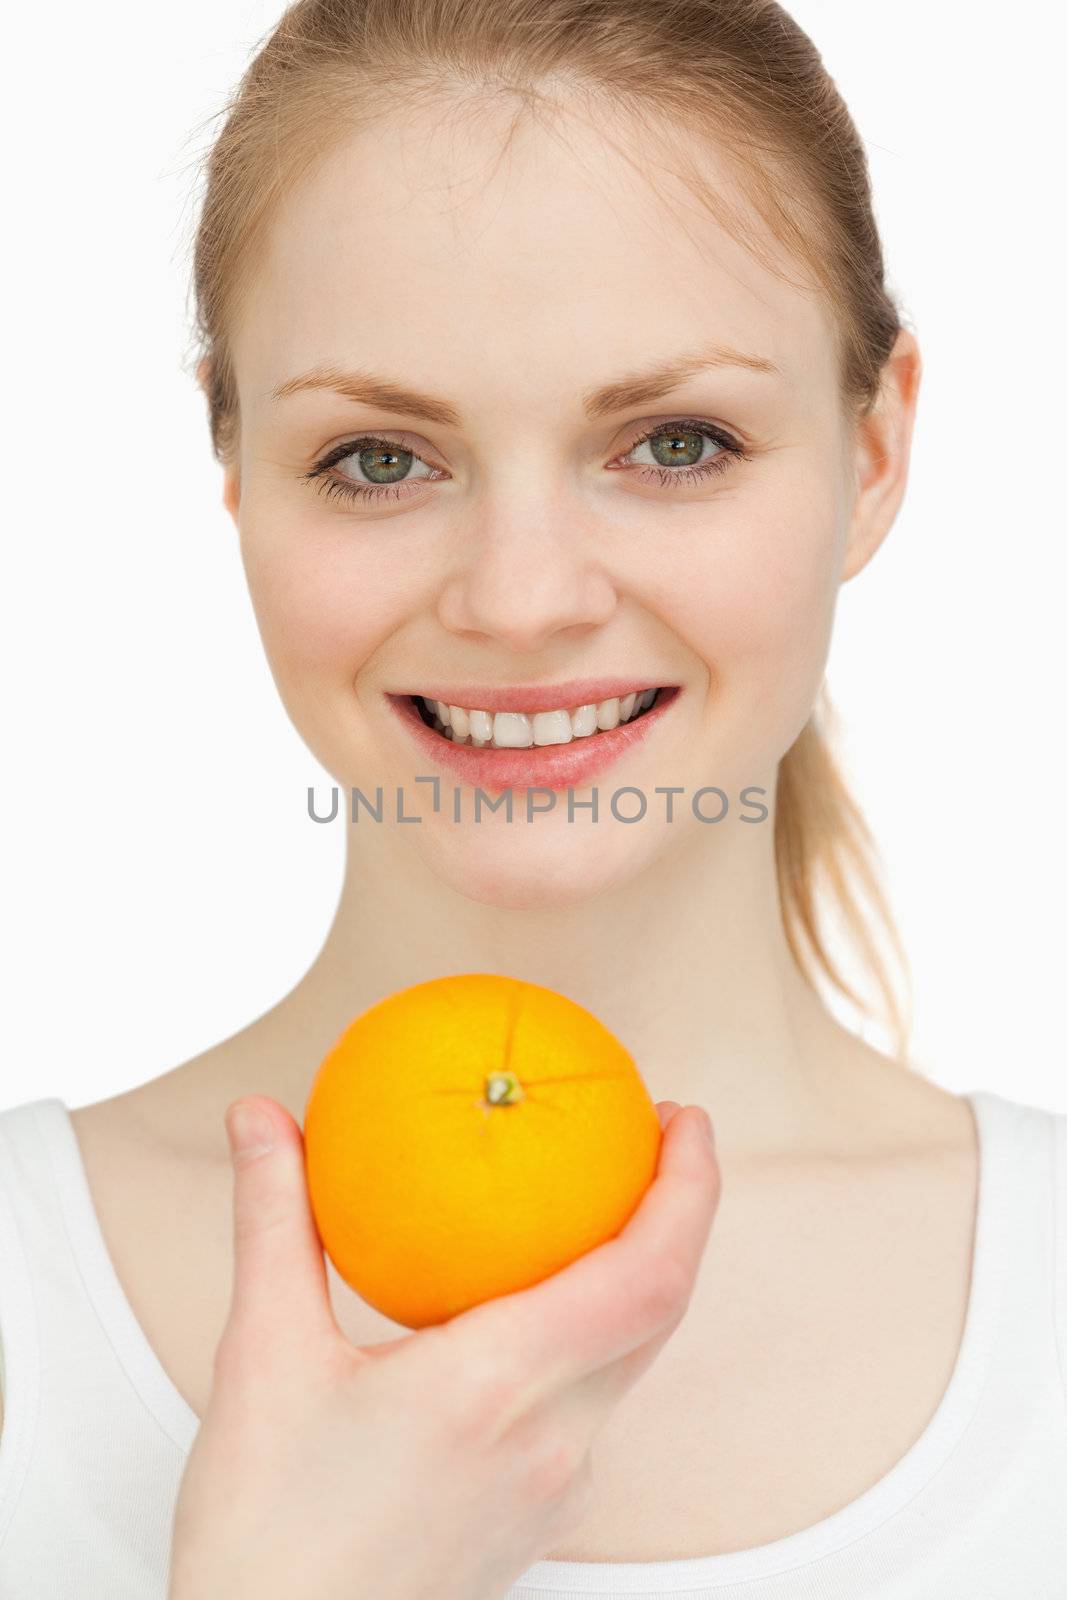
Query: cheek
x=323, y=607
x=772, y=596
x=755, y=600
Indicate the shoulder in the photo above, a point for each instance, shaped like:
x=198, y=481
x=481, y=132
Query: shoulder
x=174, y=1118
x=179, y=1115
x=1033, y=1140
x=1053, y=1125
x=151, y=1152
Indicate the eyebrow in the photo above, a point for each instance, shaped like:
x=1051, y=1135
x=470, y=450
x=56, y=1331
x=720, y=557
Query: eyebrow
x=637, y=388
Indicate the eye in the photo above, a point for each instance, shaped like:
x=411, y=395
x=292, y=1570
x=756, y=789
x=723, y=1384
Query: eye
x=682, y=442
x=385, y=463
x=677, y=447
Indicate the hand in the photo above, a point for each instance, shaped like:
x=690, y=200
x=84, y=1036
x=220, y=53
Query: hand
x=439, y=1465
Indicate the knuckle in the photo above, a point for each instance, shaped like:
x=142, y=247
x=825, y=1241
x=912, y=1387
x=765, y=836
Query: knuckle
x=665, y=1290
x=228, y=1363
x=485, y=1402
x=553, y=1470
x=255, y=1222
x=242, y=1355
x=579, y=1497
x=235, y=1377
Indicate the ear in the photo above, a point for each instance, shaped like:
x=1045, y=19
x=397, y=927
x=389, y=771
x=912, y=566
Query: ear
x=881, y=454
x=231, y=492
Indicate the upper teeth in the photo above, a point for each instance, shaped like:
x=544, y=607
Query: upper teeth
x=514, y=730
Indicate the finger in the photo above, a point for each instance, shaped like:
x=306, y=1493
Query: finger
x=280, y=1290
x=667, y=1110
x=585, y=1406
x=597, y=1394
x=618, y=1296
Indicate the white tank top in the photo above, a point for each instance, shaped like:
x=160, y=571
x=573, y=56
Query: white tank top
x=95, y=1435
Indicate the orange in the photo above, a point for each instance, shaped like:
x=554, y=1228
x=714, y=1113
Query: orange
x=467, y=1137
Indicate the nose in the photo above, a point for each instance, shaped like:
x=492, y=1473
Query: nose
x=526, y=577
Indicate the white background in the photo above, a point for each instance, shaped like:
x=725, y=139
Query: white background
x=162, y=882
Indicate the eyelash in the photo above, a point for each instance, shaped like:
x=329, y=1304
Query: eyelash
x=730, y=450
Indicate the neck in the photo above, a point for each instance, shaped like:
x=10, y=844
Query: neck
x=687, y=964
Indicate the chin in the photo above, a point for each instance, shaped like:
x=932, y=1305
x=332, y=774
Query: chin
x=551, y=869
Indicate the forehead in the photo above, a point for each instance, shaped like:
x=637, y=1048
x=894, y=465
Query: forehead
x=520, y=258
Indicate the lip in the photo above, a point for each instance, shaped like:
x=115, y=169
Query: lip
x=533, y=696
x=548, y=766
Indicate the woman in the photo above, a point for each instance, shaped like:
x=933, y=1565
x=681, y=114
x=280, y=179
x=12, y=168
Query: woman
x=549, y=360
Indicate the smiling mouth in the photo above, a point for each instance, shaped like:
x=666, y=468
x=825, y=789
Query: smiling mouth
x=520, y=730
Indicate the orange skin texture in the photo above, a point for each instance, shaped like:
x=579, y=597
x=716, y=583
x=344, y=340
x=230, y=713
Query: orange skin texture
x=430, y=1194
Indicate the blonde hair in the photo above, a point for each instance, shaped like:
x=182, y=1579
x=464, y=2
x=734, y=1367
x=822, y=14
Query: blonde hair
x=738, y=72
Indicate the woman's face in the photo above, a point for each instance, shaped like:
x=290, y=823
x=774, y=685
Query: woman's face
x=522, y=536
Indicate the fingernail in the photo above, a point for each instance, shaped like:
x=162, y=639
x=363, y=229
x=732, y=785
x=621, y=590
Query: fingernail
x=709, y=1129
x=671, y=1109
x=250, y=1132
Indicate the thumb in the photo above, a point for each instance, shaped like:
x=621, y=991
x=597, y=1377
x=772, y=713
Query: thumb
x=666, y=1111
x=280, y=1289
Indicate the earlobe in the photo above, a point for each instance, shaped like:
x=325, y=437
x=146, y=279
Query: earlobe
x=231, y=493
x=882, y=453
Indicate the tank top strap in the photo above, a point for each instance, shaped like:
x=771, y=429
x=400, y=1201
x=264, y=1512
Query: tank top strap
x=1059, y=1254
x=85, y=1401
x=1024, y=1202
x=30, y=1230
